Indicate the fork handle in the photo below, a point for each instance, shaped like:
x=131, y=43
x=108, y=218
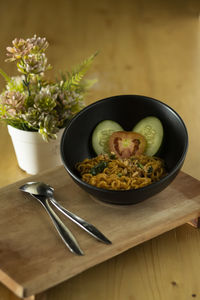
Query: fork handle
x=66, y=235
x=89, y=228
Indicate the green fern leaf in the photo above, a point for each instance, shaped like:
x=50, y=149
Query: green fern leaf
x=6, y=77
x=78, y=73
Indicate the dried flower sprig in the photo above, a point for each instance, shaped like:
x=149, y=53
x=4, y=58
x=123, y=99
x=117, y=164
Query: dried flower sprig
x=29, y=101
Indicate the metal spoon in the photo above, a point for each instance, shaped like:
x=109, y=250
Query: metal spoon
x=66, y=235
x=40, y=188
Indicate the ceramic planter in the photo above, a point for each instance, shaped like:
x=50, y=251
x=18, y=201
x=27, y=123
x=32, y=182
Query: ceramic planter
x=34, y=155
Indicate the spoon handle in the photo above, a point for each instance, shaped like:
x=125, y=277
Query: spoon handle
x=66, y=235
x=91, y=229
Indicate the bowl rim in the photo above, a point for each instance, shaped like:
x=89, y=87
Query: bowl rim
x=146, y=188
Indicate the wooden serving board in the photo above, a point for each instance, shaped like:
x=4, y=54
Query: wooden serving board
x=33, y=258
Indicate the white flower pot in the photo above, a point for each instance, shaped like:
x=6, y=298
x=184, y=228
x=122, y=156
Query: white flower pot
x=34, y=155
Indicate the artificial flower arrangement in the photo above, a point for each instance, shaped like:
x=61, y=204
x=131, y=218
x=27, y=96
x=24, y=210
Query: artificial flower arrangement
x=29, y=101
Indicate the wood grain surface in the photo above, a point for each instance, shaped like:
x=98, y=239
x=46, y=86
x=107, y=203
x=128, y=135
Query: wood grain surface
x=32, y=256
x=146, y=47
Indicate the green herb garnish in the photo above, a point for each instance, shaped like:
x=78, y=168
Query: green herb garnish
x=150, y=169
x=140, y=165
x=99, y=168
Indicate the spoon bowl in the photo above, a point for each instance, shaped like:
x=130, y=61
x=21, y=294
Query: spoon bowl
x=38, y=188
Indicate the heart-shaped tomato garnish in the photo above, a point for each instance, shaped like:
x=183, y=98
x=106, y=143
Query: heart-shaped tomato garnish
x=127, y=143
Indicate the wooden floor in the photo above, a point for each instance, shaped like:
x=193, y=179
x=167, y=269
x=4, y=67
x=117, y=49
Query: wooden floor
x=145, y=47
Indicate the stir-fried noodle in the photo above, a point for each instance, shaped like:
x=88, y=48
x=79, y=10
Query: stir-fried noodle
x=121, y=174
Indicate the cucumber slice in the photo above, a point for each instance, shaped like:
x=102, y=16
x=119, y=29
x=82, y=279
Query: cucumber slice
x=151, y=128
x=101, y=134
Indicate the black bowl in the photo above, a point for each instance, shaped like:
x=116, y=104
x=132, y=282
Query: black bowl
x=127, y=110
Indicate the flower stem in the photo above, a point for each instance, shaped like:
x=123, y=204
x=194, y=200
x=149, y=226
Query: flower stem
x=26, y=83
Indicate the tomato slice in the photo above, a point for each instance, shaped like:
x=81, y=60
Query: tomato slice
x=127, y=143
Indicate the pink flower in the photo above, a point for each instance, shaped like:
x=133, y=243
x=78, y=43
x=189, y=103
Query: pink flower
x=21, y=48
x=13, y=102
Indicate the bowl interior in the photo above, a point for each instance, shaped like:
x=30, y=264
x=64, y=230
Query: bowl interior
x=127, y=111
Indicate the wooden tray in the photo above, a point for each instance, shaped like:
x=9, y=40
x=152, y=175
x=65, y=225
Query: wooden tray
x=33, y=258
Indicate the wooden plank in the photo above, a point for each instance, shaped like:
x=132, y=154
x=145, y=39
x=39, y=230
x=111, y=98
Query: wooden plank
x=158, y=269
x=33, y=256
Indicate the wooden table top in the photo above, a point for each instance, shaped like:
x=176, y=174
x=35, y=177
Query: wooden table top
x=146, y=47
